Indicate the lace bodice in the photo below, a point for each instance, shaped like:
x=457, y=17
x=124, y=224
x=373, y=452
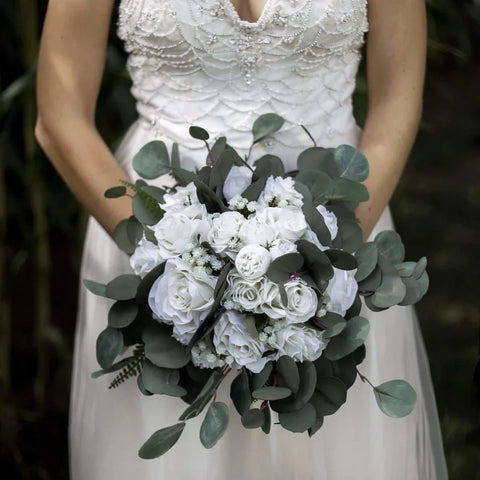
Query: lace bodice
x=197, y=62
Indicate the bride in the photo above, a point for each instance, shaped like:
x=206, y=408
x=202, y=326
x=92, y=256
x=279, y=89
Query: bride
x=219, y=64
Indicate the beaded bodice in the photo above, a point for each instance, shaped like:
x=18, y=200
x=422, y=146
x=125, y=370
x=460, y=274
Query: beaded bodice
x=198, y=62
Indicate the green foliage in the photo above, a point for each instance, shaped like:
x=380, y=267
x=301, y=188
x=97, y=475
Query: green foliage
x=108, y=347
x=161, y=441
x=266, y=125
x=214, y=424
x=395, y=398
x=152, y=160
x=132, y=367
x=350, y=338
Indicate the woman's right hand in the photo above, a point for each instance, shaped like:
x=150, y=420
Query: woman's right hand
x=70, y=68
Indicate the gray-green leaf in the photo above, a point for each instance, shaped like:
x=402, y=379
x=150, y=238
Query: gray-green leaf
x=395, y=398
x=214, y=424
x=161, y=441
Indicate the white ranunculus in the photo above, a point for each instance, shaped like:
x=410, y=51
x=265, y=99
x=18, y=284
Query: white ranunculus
x=224, y=233
x=252, y=261
x=145, y=257
x=302, y=303
x=250, y=295
x=175, y=231
x=238, y=179
x=280, y=192
x=281, y=247
x=256, y=232
x=235, y=334
x=330, y=220
x=341, y=290
x=287, y=223
x=299, y=342
x=182, y=297
x=184, y=200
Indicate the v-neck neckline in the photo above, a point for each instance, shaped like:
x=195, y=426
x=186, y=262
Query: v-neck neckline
x=260, y=20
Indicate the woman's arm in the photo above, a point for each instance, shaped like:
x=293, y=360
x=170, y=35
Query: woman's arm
x=396, y=52
x=70, y=67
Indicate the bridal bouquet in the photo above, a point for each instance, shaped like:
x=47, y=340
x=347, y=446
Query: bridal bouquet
x=252, y=269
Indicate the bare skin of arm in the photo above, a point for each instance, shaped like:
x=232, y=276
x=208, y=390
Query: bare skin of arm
x=396, y=52
x=70, y=68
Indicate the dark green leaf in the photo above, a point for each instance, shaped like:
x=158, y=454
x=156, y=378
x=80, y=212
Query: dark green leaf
x=315, y=427
x=209, y=198
x=300, y=420
x=161, y=381
x=317, y=224
x=113, y=368
x=122, y=237
x=345, y=190
x=352, y=336
x=283, y=266
x=164, y=351
x=108, y=347
x=199, y=133
x=146, y=209
x=271, y=393
x=341, y=259
x=268, y=419
x=329, y=396
x=214, y=424
x=335, y=324
x=123, y=287
x=253, y=191
x=96, y=288
x=175, y=156
x=161, y=441
x=318, y=158
x=318, y=264
x=221, y=168
x=265, y=125
x=268, y=165
x=146, y=283
x=319, y=183
x=392, y=290
x=287, y=371
x=152, y=160
x=254, y=418
x=240, y=392
x=257, y=380
x=122, y=314
x=115, y=192
x=155, y=192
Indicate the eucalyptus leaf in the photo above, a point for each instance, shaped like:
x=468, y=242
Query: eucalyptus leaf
x=147, y=282
x=345, y=369
x=257, y=380
x=267, y=424
x=352, y=336
x=315, y=427
x=329, y=396
x=146, y=210
x=271, y=393
x=122, y=314
x=155, y=192
x=392, y=290
x=221, y=169
x=268, y=165
x=164, y=351
x=317, y=223
x=240, y=392
x=284, y=266
x=161, y=381
x=319, y=183
x=161, y=441
x=318, y=264
x=115, y=192
x=214, y=424
x=346, y=190
x=287, y=371
x=198, y=132
x=390, y=246
x=395, y=398
x=174, y=155
x=152, y=160
x=298, y=421
x=372, y=282
x=350, y=235
x=108, y=346
x=335, y=324
x=96, y=288
x=122, y=237
x=253, y=191
x=351, y=163
x=341, y=259
x=266, y=125
x=253, y=418
x=123, y=287
x=318, y=158
x=367, y=257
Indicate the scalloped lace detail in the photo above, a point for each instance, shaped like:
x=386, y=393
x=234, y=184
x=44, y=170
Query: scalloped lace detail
x=197, y=62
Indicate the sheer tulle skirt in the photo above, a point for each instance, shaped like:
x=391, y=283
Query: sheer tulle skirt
x=359, y=442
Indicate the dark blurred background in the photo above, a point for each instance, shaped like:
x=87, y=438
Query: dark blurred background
x=41, y=230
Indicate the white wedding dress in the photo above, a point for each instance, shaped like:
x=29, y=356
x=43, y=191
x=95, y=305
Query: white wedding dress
x=196, y=62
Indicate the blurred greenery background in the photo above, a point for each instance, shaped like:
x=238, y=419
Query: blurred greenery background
x=41, y=229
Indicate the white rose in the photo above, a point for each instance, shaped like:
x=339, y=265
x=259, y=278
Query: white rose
x=280, y=192
x=302, y=303
x=288, y=223
x=175, y=231
x=182, y=297
x=256, y=232
x=298, y=342
x=184, y=200
x=145, y=257
x=250, y=295
x=236, y=335
x=330, y=220
x=224, y=233
x=281, y=247
x=252, y=261
x=341, y=291
x=238, y=179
